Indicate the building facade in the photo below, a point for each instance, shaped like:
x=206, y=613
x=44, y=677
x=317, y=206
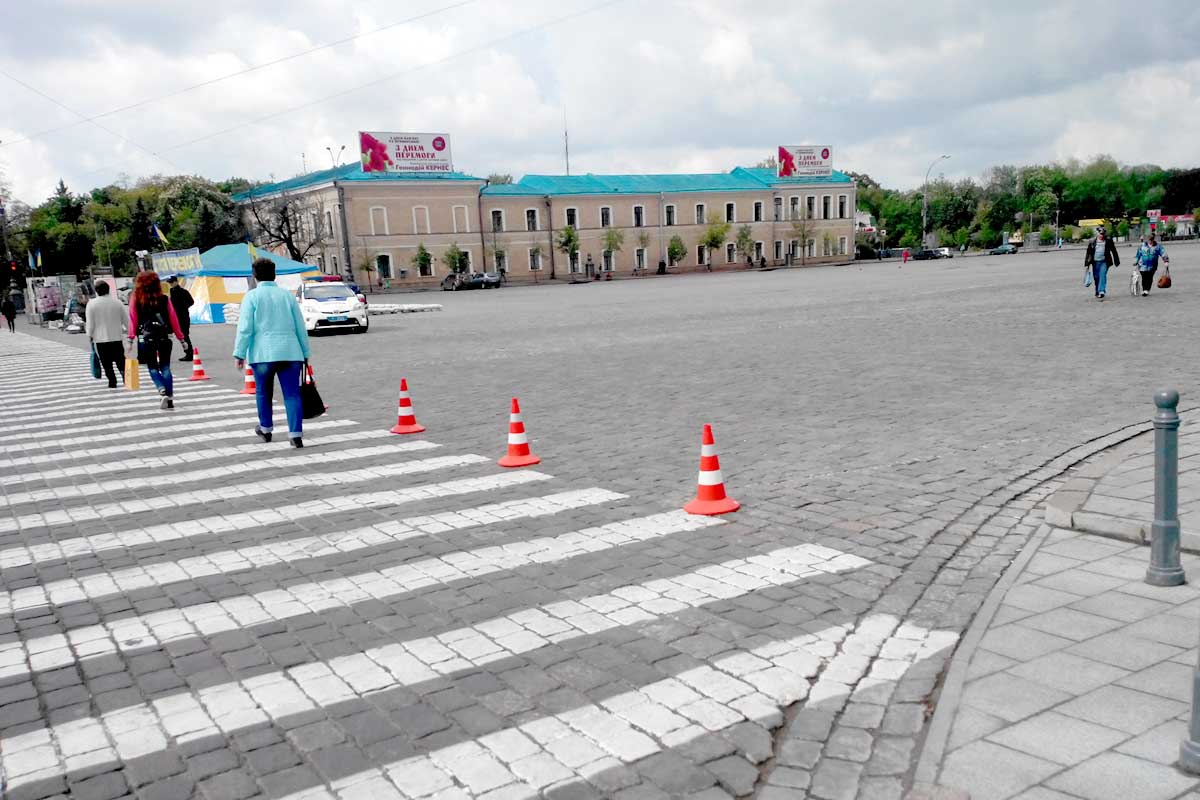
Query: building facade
x=625, y=224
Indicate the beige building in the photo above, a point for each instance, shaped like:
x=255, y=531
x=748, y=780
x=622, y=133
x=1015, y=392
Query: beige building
x=625, y=224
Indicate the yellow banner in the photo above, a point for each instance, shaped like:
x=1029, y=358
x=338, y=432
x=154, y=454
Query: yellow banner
x=174, y=262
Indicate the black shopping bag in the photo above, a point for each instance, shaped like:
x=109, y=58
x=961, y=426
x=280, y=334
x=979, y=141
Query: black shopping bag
x=95, y=363
x=310, y=399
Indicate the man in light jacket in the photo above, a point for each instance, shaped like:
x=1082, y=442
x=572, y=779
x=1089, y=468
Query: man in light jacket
x=271, y=338
x=105, y=327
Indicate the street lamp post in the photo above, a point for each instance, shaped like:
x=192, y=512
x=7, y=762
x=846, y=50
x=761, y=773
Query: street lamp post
x=925, y=204
x=335, y=161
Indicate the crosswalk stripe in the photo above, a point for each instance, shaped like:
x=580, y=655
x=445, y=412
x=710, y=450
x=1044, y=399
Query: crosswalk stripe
x=406, y=578
x=170, y=425
x=200, y=496
x=100, y=395
x=119, y=400
x=228, y=707
x=138, y=463
x=47, y=421
x=216, y=433
x=219, y=523
x=179, y=478
x=181, y=417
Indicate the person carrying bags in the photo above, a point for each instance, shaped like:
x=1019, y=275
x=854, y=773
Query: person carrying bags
x=152, y=320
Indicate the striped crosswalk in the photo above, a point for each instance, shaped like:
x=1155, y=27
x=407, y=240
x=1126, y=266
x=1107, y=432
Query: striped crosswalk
x=179, y=551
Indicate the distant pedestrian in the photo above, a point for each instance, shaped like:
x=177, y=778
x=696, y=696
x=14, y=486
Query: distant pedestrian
x=272, y=339
x=105, y=327
x=1101, y=255
x=152, y=320
x=182, y=300
x=762, y=262
x=9, y=309
x=1147, y=262
x=904, y=256
x=879, y=254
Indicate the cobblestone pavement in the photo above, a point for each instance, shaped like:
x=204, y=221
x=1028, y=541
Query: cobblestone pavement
x=190, y=613
x=1080, y=683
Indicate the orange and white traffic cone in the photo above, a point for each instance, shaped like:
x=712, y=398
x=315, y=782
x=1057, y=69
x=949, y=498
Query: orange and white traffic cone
x=710, y=493
x=249, y=387
x=518, y=442
x=406, y=421
x=198, y=373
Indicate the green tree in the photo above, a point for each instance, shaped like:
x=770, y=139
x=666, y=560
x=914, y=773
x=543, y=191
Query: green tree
x=1046, y=236
x=676, y=250
x=614, y=239
x=456, y=259
x=1123, y=228
x=745, y=241
x=802, y=231
x=568, y=243
x=422, y=260
x=206, y=228
x=140, y=237
x=499, y=178
x=714, y=237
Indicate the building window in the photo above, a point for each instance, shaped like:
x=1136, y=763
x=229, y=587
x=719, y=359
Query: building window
x=420, y=219
x=794, y=207
x=810, y=206
x=333, y=263
x=535, y=259
x=778, y=209
x=606, y=258
x=574, y=262
x=730, y=212
x=812, y=248
x=778, y=250
x=605, y=216
x=794, y=248
x=639, y=257
x=700, y=255
x=572, y=218
x=758, y=209
x=758, y=251
x=730, y=253
x=321, y=263
x=639, y=216
x=497, y=219
x=426, y=270
x=500, y=260
x=531, y=219
x=826, y=249
x=700, y=216
x=379, y=221
x=842, y=246
x=462, y=223
x=328, y=224
x=841, y=206
x=671, y=215
x=825, y=207
x=383, y=265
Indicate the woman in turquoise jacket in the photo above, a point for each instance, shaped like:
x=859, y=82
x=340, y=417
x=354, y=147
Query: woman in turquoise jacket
x=271, y=338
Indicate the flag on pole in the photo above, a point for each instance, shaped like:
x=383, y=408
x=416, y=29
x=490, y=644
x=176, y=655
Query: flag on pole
x=29, y=253
x=157, y=234
x=253, y=252
x=39, y=258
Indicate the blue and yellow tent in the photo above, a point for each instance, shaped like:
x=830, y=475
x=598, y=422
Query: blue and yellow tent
x=225, y=276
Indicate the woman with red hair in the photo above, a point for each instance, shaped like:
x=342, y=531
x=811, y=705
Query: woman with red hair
x=152, y=320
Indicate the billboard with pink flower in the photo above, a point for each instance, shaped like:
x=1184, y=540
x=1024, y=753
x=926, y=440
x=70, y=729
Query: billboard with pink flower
x=404, y=152
x=805, y=161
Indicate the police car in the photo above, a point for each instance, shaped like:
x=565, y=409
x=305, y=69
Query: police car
x=330, y=304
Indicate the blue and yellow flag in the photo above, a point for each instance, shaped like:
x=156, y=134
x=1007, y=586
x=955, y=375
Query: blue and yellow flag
x=157, y=234
x=39, y=258
x=253, y=252
x=29, y=253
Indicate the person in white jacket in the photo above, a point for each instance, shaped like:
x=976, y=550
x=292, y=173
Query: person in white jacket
x=105, y=326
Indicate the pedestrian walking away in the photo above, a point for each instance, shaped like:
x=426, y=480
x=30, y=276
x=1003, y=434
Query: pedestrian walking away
x=271, y=338
x=152, y=320
x=1101, y=255
x=182, y=300
x=105, y=327
x=9, y=309
x=1147, y=262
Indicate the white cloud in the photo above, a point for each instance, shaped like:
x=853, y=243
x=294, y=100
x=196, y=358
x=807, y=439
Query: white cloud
x=670, y=86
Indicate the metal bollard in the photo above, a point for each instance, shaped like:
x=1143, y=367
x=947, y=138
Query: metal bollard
x=1165, y=569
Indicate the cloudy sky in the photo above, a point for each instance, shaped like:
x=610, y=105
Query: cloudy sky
x=668, y=86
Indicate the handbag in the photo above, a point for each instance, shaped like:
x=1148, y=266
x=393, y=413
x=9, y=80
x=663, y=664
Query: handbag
x=133, y=379
x=311, y=405
x=1164, y=280
x=95, y=363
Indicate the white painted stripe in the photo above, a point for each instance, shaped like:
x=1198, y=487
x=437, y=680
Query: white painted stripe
x=200, y=496
x=136, y=463
x=236, y=705
x=119, y=399
x=179, y=418
x=169, y=426
x=710, y=478
x=91, y=421
x=518, y=438
x=201, y=441
x=409, y=577
x=219, y=523
x=178, y=478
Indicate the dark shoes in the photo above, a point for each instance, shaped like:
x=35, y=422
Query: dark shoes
x=166, y=403
x=297, y=442
x=264, y=435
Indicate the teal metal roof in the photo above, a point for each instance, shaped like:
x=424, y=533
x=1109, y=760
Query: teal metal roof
x=233, y=260
x=738, y=179
x=349, y=172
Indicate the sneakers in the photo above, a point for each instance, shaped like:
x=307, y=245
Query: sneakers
x=264, y=435
x=297, y=442
x=1145, y=294
x=1101, y=295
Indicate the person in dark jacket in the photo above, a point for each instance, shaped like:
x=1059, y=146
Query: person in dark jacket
x=1101, y=256
x=182, y=300
x=9, y=309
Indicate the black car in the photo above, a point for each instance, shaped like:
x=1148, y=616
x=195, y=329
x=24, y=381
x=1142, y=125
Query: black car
x=475, y=280
x=927, y=255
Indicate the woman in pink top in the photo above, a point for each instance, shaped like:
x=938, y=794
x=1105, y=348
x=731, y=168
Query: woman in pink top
x=152, y=320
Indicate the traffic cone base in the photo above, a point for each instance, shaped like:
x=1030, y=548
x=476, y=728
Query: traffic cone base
x=518, y=443
x=710, y=489
x=519, y=461
x=406, y=421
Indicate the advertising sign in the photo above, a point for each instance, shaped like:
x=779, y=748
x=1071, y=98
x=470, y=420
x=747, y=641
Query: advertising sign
x=404, y=152
x=176, y=262
x=805, y=161
x=1154, y=214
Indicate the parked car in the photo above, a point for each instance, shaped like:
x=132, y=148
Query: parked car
x=926, y=255
x=1004, y=250
x=332, y=304
x=946, y=252
x=475, y=280
x=354, y=287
